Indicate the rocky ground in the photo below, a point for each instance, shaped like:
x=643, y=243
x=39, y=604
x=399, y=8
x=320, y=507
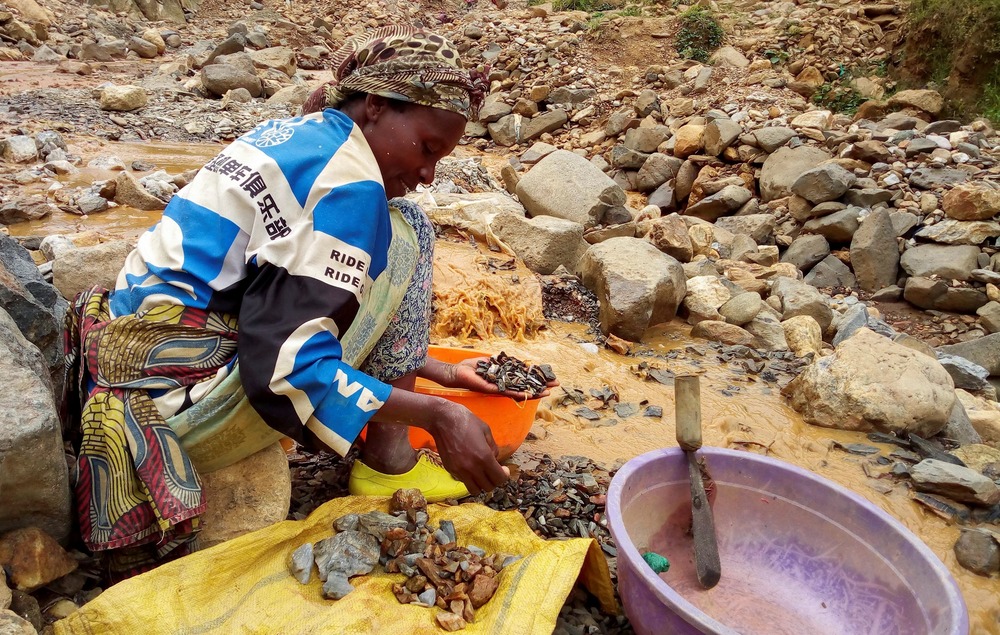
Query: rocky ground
x=816, y=223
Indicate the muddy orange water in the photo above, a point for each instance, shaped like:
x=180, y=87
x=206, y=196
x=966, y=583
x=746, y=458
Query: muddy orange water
x=118, y=222
x=756, y=418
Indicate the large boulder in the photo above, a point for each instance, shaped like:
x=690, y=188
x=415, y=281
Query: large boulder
x=838, y=227
x=280, y=58
x=799, y=298
x=705, y=295
x=637, y=285
x=19, y=149
x=874, y=253
x=172, y=10
x=724, y=332
x=131, y=193
x=759, y=227
x=725, y=201
x=971, y=201
x=960, y=232
x=870, y=383
x=930, y=101
x=720, y=134
x=543, y=242
x=769, y=334
x=826, y=182
x=944, y=261
x=803, y=335
x=830, y=272
x=784, y=167
x=34, y=304
x=33, y=558
x=246, y=496
x=218, y=79
x=123, y=98
x=806, y=251
x=33, y=476
x=99, y=265
x=566, y=185
x=984, y=351
x=669, y=234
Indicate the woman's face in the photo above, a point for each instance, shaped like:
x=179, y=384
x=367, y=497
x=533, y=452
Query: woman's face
x=409, y=141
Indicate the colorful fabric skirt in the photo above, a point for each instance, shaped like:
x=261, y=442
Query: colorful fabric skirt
x=137, y=488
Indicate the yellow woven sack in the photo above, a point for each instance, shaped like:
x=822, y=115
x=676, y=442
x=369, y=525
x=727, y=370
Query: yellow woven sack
x=243, y=586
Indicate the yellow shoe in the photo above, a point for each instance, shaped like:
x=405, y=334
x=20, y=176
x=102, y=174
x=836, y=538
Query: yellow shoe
x=428, y=475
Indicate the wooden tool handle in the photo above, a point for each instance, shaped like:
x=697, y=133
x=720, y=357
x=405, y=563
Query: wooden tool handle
x=706, y=549
x=687, y=411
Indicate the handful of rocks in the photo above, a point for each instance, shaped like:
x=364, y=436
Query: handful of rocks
x=510, y=373
x=458, y=580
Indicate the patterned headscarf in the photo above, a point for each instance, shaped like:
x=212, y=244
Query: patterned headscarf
x=399, y=62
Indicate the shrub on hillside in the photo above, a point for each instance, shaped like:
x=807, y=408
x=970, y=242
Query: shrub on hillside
x=699, y=35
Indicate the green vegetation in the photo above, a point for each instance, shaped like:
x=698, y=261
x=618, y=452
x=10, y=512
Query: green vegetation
x=699, y=35
x=596, y=20
x=776, y=57
x=990, y=101
x=955, y=44
x=631, y=11
x=590, y=6
x=838, y=98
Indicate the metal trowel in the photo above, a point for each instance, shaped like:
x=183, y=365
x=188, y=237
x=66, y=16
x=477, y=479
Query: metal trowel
x=687, y=399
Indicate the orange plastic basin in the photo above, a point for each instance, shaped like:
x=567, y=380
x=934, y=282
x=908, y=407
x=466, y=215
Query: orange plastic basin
x=509, y=420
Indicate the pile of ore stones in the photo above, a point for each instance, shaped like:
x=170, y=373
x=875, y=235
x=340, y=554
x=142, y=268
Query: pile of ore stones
x=457, y=580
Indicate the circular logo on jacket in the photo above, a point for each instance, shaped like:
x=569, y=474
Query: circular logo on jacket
x=274, y=136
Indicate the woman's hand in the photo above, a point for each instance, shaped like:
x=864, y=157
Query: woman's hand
x=464, y=375
x=467, y=449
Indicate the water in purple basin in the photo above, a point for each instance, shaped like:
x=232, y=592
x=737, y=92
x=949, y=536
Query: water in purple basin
x=800, y=555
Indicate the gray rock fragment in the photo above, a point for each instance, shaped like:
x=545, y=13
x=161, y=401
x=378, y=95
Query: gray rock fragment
x=978, y=551
x=349, y=553
x=967, y=374
x=858, y=317
x=379, y=523
x=954, y=481
x=301, y=563
x=428, y=597
x=336, y=586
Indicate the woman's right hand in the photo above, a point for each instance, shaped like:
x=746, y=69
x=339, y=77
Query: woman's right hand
x=467, y=449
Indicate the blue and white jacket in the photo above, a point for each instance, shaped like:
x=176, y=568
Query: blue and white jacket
x=286, y=229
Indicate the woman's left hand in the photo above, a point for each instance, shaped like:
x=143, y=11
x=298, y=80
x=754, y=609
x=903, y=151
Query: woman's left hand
x=464, y=375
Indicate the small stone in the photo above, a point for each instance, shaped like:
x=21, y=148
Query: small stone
x=33, y=558
x=428, y=597
x=13, y=624
x=348, y=522
x=61, y=609
x=336, y=586
x=410, y=501
x=448, y=528
x=349, y=553
x=978, y=551
x=483, y=589
x=450, y=621
x=301, y=563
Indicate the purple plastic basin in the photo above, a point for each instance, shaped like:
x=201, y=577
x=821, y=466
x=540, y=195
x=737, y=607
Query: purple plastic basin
x=800, y=554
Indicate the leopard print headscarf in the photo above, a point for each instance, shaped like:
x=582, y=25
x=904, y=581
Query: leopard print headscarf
x=403, y=63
